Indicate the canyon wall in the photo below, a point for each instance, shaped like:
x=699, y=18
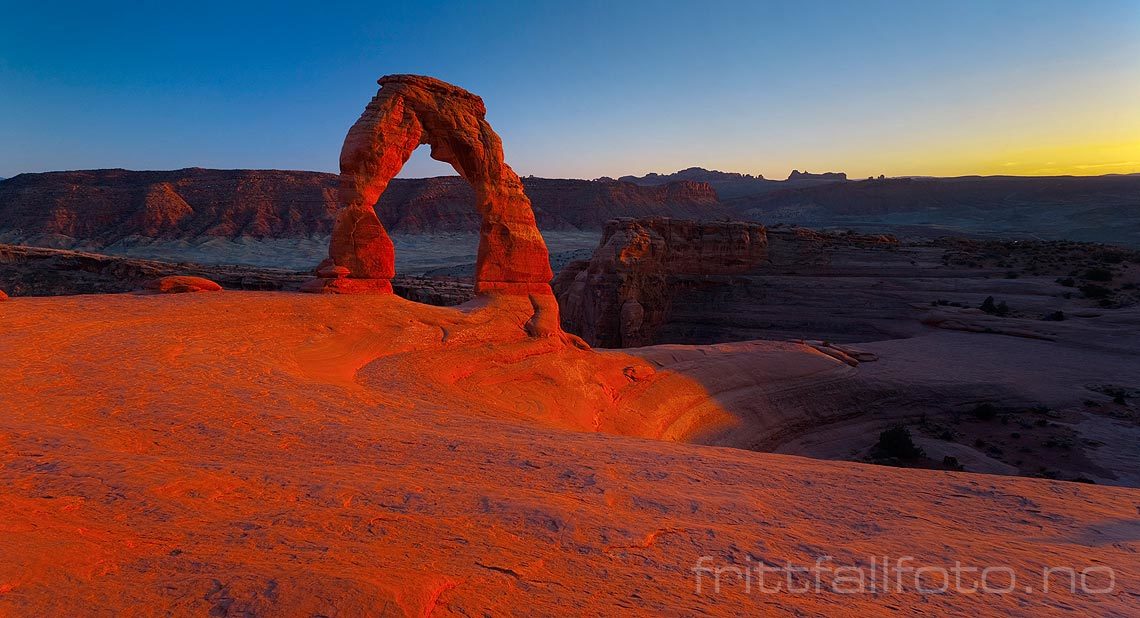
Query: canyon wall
x=96, y=208
x=622, y=295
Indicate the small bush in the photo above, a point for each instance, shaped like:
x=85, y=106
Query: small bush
x=985, y=411
x=999, y=309
x=1098, y=274
x=1067, y=282
x=1094, y=291
x=897, y=442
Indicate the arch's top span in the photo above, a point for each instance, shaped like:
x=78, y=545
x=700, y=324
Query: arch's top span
x=410, y=110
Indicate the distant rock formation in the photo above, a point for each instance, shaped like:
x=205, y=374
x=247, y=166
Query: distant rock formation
x=727, y=184
x=410, y=110
x=181, y=284
x=97, y=208
x=621, y=295
x=1083, y=208
x=446, y=204
x=100, y=207
x=798, y=175
x=37, y=271
x=698, y=174
x=657, y=281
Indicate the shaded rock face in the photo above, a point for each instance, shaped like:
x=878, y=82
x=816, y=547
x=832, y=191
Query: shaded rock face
x=798, y=175
x=621, y=296
x=659, y=281
x=447, y=203
x=96, y=208
x=411, y=110
x=697, y=285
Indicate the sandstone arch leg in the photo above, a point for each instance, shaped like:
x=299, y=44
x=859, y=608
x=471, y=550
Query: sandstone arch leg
x=410, y=110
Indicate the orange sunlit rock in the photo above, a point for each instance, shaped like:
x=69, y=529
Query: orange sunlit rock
x=299, y=455
x=411, y=110
x=178, y=284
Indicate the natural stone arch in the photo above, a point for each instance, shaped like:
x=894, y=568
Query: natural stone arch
x=410, y=110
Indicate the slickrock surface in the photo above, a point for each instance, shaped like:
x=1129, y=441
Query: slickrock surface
x=259, y=453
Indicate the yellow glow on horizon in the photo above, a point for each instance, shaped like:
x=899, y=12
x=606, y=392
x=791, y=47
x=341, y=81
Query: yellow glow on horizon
x=1088, y=159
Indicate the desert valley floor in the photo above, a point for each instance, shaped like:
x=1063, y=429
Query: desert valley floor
x=275, y=453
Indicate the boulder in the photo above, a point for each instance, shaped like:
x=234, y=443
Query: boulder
x=178, y=284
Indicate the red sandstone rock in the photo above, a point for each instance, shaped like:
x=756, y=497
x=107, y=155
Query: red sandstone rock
x=3, y=296
x=333, y=272
x=177, y=284
x=621, y=296
x=411, y=110
x=345, y=285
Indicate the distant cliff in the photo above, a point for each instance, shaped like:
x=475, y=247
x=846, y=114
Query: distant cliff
x=727, y=184
x=798, y=175
x=732, y=185
x=100, y=207
x=446, y=204
x=623, y=294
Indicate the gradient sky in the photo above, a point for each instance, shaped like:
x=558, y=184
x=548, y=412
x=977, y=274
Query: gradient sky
x=584, y=89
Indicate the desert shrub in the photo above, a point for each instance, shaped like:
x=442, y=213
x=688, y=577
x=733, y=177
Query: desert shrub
x=1067, y=282
x=1098, y=274
x=897, y=442
x=985, y=411
x=1095, y=291
x=1012, y=275
x=1056, y=316
x=998, y=309
x=951, y=463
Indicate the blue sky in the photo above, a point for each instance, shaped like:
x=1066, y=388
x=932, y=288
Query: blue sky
x=584, y=89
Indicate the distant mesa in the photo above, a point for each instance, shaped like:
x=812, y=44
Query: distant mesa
x=698, y=174
x=798, y=175
x=181, y=284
